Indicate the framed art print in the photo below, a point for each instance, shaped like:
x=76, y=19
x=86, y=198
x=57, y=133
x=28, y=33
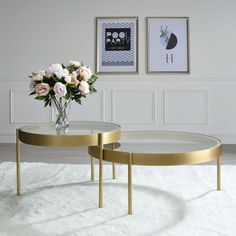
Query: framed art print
x=117, y=44
x=168, y=47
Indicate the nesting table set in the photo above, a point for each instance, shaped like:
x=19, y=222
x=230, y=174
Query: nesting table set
x=106, y=143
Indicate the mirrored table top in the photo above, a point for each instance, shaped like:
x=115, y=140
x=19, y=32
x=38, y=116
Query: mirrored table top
x=165, y=142
x=160, y=148
x=75, y=128
x=79, y=133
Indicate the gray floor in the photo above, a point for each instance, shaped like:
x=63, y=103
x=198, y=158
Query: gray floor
x=78, y=155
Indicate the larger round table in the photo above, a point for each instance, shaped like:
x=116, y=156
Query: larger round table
x=81, y=133
x=157, y=148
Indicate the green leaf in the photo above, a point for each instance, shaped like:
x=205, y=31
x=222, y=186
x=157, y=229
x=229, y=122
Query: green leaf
x=55, y=78
x=46, y=103
x=49, y=81
x=40, y=97
x=92, y=79
x=67, y=96
x=78, y=101
x=70, y=86
x=32, y=93
x=92, y=89
x=37, y=81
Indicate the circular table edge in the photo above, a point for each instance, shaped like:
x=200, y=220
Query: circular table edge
x=160, y=159
x=48, y=140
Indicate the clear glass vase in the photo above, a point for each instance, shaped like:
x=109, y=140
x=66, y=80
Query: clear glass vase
x=61, y=107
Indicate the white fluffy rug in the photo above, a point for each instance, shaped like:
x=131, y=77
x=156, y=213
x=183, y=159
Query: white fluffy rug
x=60, y=200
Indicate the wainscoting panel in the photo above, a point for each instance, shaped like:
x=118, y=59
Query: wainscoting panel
x=202, y=105
x=185, y=106
x=25, y=109
x=133, y=106
x=92, y=108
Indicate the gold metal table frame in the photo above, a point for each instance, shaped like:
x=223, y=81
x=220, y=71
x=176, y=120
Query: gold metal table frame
x=170, y=148
x=80, y=133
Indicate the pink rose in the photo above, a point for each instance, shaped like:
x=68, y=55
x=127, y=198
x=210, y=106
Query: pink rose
x=74, y=81
x=85, y=72
x=84, y=87
x=42, y=89
x=59, y=89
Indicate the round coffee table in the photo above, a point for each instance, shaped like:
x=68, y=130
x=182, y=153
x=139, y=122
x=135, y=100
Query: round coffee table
x=81, y=133
x=160, y=148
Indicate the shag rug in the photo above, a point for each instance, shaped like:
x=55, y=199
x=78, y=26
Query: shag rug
x=60, y=200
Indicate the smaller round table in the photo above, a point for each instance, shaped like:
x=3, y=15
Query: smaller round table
x=160, y=148
x=79, y=133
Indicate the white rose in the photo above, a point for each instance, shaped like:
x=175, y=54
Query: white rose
x=42, y=89
x=85, y=72
x=74, y=74
x=62, y=73
x=68, y=79
x=37, y=76
x=75, y=63
x=54, y=68
x=41, y=72
x=84, y=87
x=48, y=74
x=59, y=89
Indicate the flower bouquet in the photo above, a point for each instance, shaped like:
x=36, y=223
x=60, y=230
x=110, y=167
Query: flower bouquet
x=59, y=85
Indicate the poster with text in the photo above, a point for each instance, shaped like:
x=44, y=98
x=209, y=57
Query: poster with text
x=116, y=45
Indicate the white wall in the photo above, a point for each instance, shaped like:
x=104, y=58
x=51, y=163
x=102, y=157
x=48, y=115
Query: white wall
x=35, y=34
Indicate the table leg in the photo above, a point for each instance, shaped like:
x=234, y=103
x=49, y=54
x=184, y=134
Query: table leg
x=100, y=143
x=113, y=165
x=113, y=171
x=92, y=168
x=218, y=173
x=18, y=163
x=130, y=184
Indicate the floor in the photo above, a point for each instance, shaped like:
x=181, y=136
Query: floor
x=78, y=155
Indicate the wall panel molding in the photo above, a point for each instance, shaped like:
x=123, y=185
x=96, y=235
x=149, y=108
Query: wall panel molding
x=141, y=78
x=185, y=107
x=24, y=109
x=135, y=105
x=147, y=106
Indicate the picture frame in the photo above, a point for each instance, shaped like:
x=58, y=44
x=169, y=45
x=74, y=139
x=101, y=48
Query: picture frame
x=117, y=45
x=168, y=44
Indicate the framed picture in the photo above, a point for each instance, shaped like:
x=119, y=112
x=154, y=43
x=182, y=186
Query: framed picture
x=168, y=46
x=117, y=45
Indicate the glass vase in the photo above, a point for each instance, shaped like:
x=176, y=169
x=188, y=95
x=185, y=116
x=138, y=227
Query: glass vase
x=61, y=107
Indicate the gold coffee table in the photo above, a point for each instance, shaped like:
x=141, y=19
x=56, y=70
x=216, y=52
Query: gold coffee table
x=158, y=148
x=81, y=133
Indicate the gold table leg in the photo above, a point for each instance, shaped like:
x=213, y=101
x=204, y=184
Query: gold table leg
x=218, y=174
x=100, y=143
x=18, y=163
x=130, y=184
x=113, y=165
x=92, y=168
x=113, y=171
